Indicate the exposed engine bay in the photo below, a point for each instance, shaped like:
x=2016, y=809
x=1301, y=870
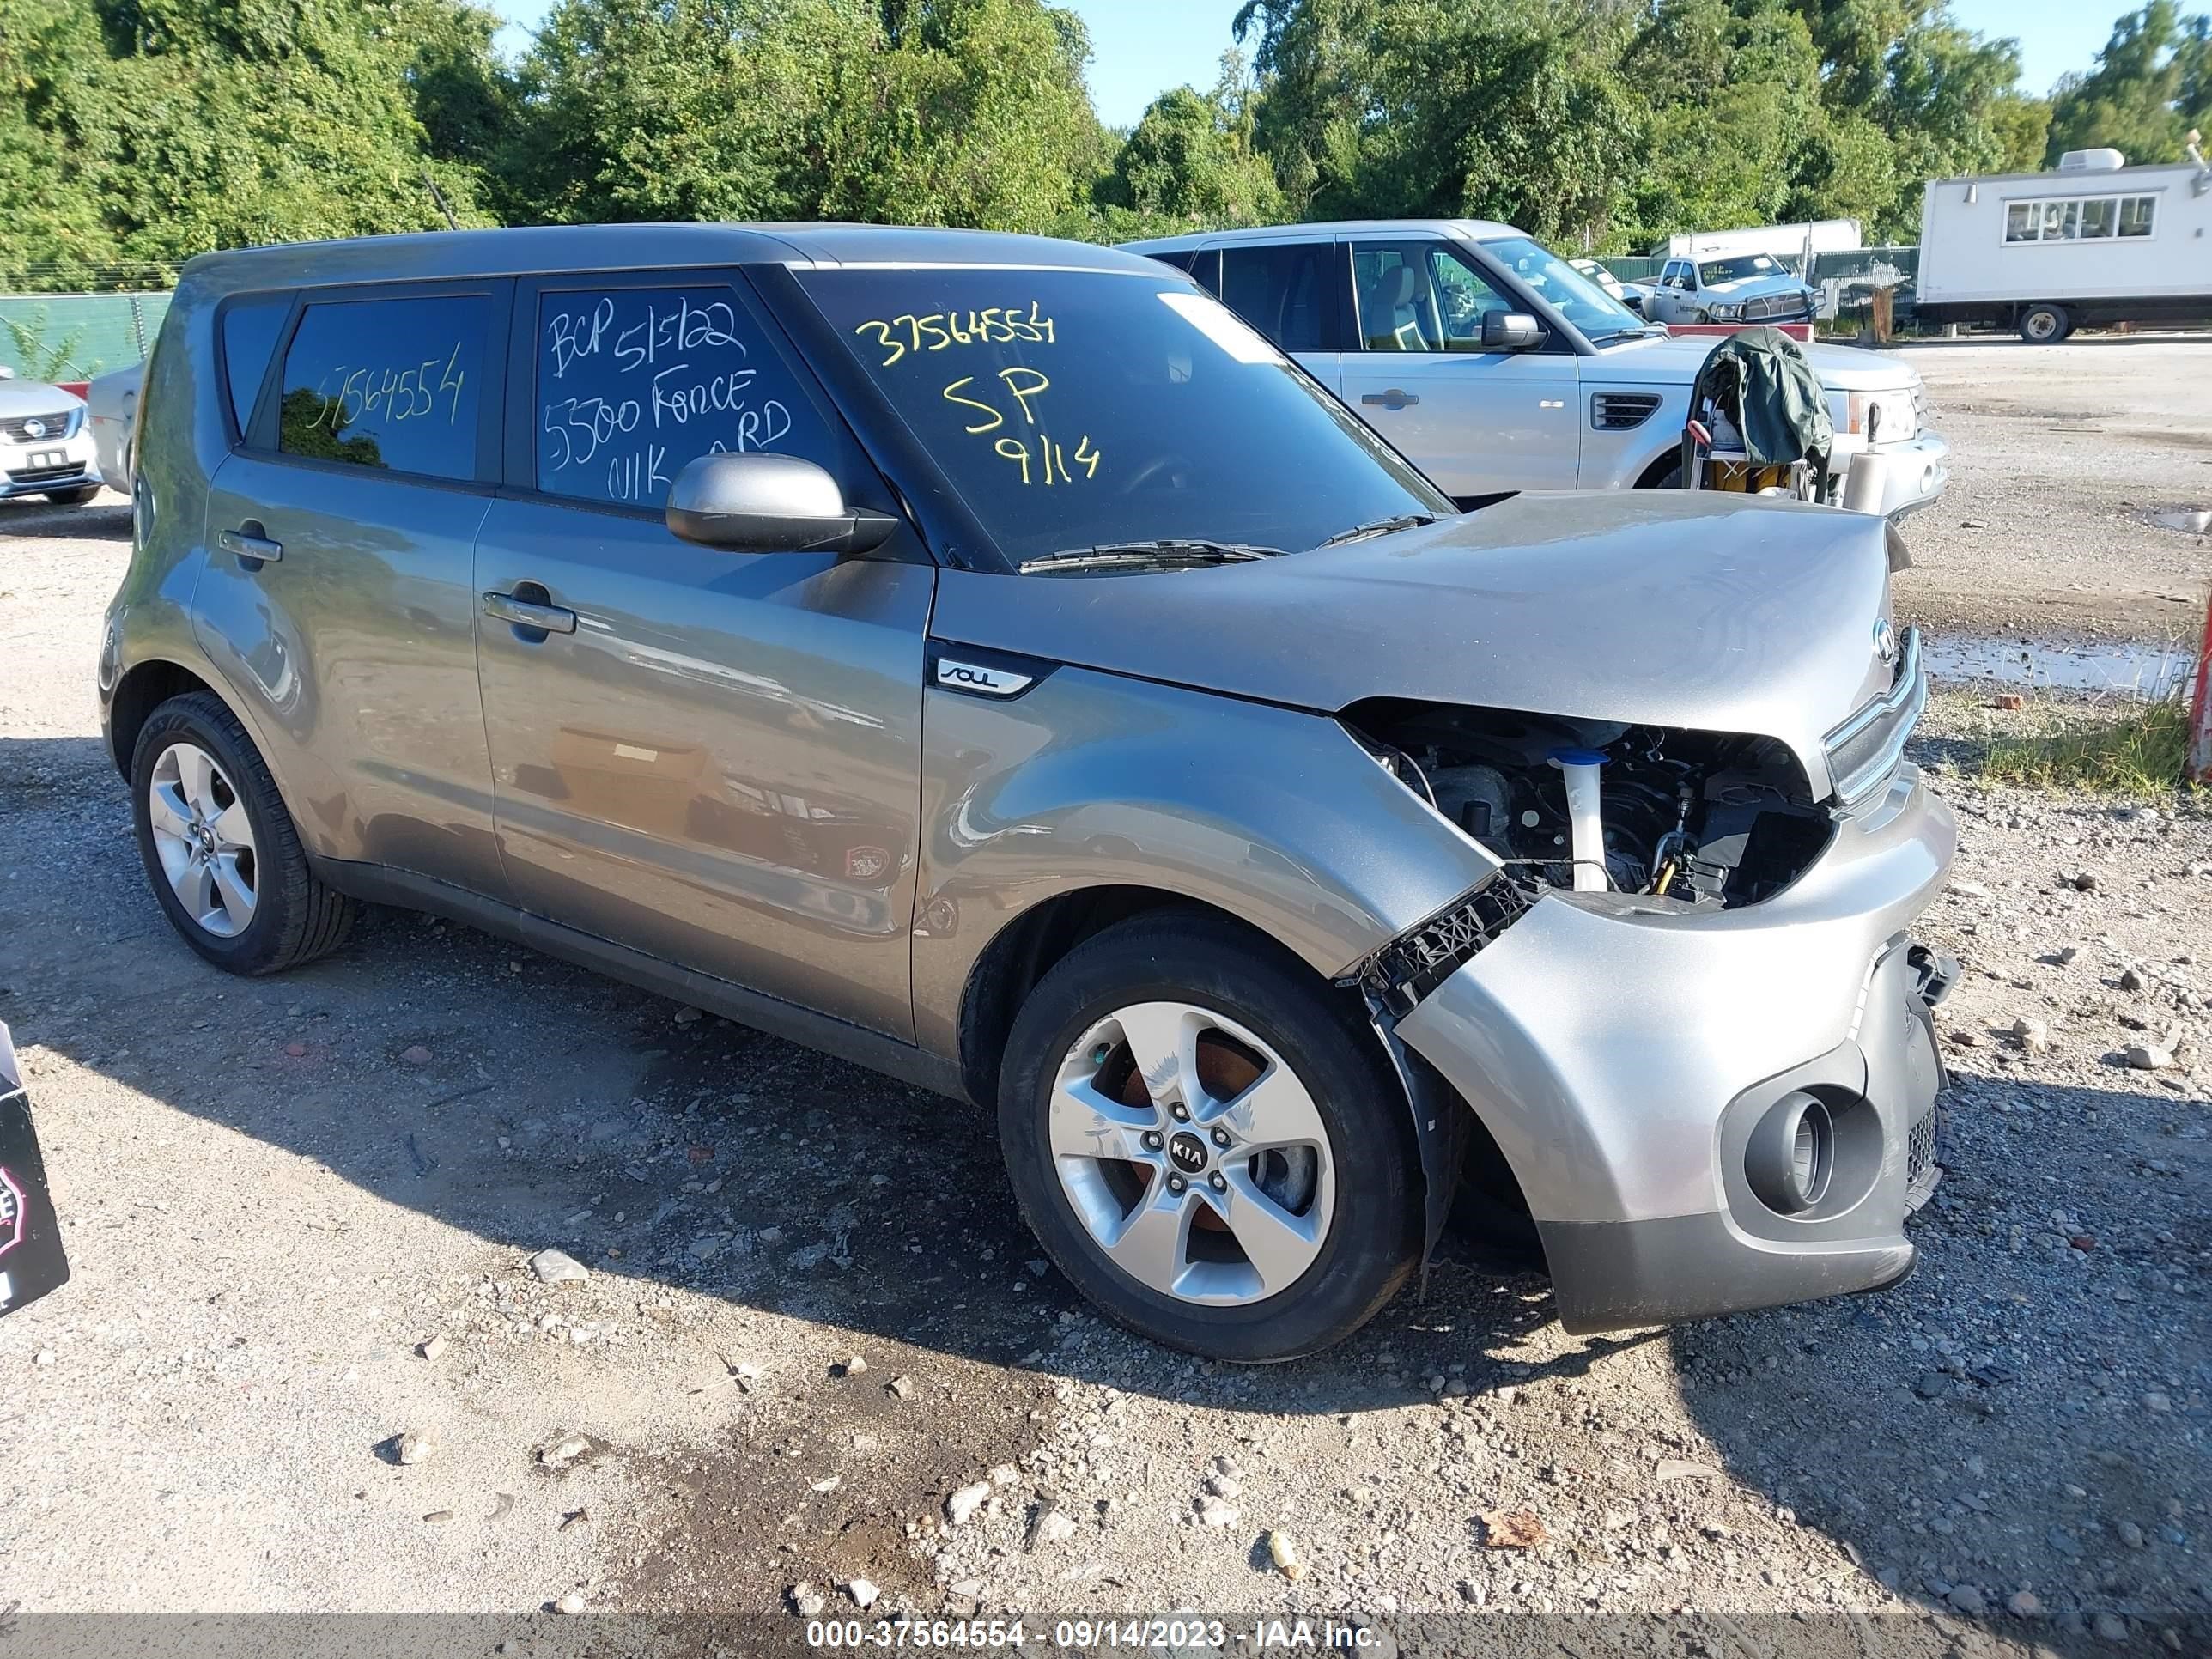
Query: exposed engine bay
x=1698, y=820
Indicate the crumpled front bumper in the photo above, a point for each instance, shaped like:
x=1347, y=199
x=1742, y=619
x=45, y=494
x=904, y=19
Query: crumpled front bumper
x=1622, y=1057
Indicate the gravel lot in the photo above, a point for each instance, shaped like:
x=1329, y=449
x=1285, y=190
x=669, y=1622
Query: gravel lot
x=2059, y=454
x=278, y=1192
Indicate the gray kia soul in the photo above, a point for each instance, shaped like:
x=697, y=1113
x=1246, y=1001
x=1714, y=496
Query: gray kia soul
x=987, y=658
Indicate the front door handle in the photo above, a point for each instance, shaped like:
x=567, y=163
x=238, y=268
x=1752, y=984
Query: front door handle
x=524, y=613
x=246, y=542
x=1393, y=399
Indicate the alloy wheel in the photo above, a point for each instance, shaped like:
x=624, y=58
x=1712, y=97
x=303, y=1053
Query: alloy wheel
x=1192, y=1154
x=203, y=839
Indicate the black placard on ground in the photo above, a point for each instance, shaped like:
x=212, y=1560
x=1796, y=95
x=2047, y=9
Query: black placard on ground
x=31, y=1259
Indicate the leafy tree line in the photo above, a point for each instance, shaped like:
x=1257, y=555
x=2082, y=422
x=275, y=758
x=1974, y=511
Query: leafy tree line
x=139, y=132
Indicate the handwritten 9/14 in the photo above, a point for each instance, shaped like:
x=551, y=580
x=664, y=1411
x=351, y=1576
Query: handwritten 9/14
x=1049, y=455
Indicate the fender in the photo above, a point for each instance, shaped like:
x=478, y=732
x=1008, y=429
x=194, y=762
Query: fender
x=1086, y=779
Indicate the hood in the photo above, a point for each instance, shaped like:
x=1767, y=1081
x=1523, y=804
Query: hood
x=19, y=397
x=1662, y=608
x=1675, y=360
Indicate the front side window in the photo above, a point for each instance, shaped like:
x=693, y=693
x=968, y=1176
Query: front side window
x=1078, y=409
x=635, y=383
x=392, y=383
x=1285, y=292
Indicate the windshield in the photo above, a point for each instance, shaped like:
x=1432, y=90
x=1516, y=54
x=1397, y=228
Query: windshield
x=1566, y=290
x=1744, y=264
x=1078, y=409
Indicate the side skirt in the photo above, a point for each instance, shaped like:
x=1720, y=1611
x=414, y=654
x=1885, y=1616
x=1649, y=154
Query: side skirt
x=376, y=884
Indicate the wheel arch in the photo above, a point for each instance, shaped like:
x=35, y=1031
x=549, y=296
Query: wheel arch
x=1033, y=942
x=142, y=688
x=1659, y=466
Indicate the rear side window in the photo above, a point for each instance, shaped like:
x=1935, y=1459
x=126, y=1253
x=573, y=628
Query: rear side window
x=1179, y=257
x=249, y=335
x=390, y=383
x=635, y=383
x=1285, y=292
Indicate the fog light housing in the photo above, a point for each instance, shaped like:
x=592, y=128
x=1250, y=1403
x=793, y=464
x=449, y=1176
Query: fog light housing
x=1791, y=1155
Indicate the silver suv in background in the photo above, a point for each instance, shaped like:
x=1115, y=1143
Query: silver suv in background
x=987, y=658
x=1491, y=364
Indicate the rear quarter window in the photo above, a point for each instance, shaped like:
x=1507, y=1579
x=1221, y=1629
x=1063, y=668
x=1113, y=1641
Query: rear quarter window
x=249, y=328
x=395, y=384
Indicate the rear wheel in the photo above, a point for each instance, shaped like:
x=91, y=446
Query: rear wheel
x=220, y=852
x=1211, y=1147
x=76, y=497
x=2045, y=324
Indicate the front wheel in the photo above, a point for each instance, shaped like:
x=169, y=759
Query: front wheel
x=1209, y=1144
x=2045, y=324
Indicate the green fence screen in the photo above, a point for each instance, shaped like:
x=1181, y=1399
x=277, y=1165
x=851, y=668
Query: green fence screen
x=74, y=336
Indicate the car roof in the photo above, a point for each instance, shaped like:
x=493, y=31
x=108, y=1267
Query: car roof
x=1475, y=230
x=561, y=249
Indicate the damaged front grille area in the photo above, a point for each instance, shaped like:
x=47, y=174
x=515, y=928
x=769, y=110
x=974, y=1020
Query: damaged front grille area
x=1397, y=977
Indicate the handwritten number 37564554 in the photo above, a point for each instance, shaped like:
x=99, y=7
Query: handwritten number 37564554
x=398, y=394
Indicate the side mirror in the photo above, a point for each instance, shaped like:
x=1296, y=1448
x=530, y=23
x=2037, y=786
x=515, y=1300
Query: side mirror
x=1510, y=331
x=759, y=503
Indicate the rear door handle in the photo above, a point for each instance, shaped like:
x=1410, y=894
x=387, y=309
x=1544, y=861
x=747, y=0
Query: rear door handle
x=250, y=543
x=1393, y=399
x=523, y=613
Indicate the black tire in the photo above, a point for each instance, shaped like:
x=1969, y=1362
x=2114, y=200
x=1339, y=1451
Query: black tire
x=76, y=497
x=296, y=917
x=1374, y=1239
x=1670, y=479
x=2045, y=324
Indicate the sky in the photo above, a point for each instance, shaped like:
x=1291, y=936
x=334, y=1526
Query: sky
x=1143, y=47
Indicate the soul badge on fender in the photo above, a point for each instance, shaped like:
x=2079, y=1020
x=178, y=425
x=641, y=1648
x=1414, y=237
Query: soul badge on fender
x=981, y=678
x=31, y=1259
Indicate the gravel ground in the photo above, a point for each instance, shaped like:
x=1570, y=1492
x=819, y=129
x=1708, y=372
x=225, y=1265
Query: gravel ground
x=2059, y=454
x=303, y=1215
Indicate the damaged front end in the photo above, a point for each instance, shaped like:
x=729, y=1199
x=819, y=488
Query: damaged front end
x=1687, y=1018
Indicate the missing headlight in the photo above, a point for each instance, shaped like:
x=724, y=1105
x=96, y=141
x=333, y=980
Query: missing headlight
x=1697, y=818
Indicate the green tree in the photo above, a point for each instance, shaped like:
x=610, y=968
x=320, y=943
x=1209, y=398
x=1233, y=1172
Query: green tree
x=926, y=112
x=164, y=128
x=2149, y=88
x=1190, y=162
x=1504, y=109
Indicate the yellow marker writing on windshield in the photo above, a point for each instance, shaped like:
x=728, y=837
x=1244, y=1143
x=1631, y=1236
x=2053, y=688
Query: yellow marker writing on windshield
x=952, y=395
x=1023, y=393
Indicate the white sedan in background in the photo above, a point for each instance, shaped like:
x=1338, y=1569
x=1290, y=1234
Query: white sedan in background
x=44, y=449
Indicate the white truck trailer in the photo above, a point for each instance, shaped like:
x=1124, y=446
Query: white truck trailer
x=2097, y=242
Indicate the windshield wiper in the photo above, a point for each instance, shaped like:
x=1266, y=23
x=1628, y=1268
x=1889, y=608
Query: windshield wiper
x=1168, y=553
x=1360, y=532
